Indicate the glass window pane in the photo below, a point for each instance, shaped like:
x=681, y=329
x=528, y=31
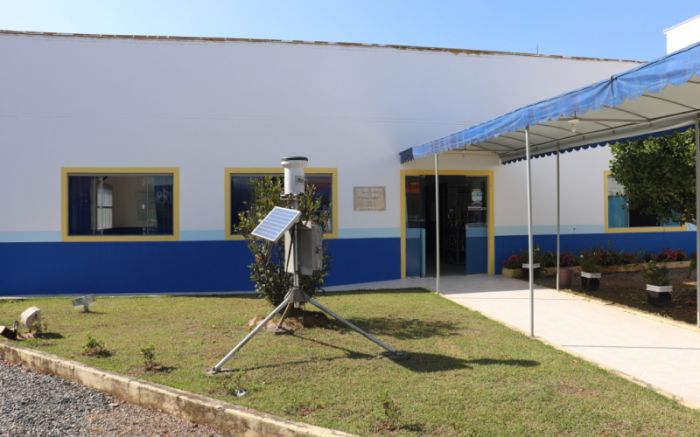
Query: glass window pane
x=242, y=194
x=120, y=204
x=620, y=215
x=324, y=188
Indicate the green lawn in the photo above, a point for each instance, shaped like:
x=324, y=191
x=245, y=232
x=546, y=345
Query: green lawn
x=466, y=375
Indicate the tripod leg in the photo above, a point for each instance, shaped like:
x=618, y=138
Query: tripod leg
x=251, y=334
x=367, y=335
x=284, y=315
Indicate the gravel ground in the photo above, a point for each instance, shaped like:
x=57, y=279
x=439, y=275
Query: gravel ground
x=33, y=404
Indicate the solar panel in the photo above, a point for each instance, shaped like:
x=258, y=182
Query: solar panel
x=276, y=223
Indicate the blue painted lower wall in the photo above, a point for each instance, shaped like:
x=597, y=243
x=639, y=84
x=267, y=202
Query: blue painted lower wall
x=169, y=267
x=216, y=266
x=628, y=242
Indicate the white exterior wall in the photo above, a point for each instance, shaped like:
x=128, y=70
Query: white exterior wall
x=203, y=106
x=683, y=34
x=582, y=190
x=582, y=194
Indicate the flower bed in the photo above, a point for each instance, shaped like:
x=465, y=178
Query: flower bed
x=610, y=261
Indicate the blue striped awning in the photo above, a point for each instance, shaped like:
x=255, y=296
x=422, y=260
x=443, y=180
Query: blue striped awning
x=653, y=97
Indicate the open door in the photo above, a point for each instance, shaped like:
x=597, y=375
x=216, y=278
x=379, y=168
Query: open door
x=463, y=225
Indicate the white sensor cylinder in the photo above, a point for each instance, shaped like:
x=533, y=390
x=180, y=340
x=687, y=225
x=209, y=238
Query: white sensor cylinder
x=294, y=174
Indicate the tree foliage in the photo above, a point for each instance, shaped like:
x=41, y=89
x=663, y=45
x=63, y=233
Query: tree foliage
x=268, y=271
x=658, y=175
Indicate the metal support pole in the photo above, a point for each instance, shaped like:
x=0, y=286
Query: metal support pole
x=558, y=219
x=350, y=325
x=697, y=214
x=531, y=260
x=437, y=227
x=251, y=334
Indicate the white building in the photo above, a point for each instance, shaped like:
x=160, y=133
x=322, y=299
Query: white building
x=683, y=34
x=125, y=158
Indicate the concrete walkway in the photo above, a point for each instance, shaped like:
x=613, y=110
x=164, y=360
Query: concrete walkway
x=655, y=352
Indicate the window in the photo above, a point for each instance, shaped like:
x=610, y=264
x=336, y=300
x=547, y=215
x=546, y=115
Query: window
x=239, y=193
x=120, y=204
x=620, y=216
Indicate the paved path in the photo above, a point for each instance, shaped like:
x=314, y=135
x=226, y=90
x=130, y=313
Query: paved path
x=648, y=349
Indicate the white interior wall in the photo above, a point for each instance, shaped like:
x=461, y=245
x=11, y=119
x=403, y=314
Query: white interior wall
x=202, y=106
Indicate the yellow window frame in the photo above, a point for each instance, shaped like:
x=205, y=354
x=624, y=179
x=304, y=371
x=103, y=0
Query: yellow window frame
x=278, y=170
x=68, y=171
x=631, y=229
x=491, y=264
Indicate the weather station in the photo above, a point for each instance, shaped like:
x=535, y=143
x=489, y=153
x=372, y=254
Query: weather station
x=303, y=251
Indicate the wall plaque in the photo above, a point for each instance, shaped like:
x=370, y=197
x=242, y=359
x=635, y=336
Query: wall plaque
x=369, y=198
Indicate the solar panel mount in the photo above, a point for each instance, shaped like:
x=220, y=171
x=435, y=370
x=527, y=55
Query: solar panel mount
x=276, y=223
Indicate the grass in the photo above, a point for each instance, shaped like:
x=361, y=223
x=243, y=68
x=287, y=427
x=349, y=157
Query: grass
x=466, y=375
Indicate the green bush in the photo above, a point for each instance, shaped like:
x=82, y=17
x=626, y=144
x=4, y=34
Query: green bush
x=655, y=275
x=95, y=348
x=589, y=262
x=515, y=261
x=268, y=271
x=149, y=357
x=548, y=259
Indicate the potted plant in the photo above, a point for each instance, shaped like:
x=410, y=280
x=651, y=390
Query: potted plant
x=525, y=265
x=658, y=286
x=567, y=261
x=590, y=272
x=511, y=266
x=548, y=263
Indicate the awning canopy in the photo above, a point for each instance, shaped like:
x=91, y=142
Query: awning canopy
x=660, y=95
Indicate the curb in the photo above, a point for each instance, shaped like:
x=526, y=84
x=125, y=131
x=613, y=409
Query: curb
x=631, y=310
x=227, y=418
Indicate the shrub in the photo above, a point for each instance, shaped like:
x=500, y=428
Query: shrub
x=609, y=257
x=514, y=261
x=671, y=255
x=525, y=256
x=589, y=262
x=646, y=256
x=567, y=259
x=268, y=271
x=548, y=259
x=95, y=348
x=234, y=385
x=655, y=275
x=629, y=258
x=149, y=357
x=693, y=266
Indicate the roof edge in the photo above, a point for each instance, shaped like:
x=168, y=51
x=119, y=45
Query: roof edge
x=686, y=21
x=455, y=51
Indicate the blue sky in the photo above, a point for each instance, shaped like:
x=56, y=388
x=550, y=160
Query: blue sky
x=615, y=29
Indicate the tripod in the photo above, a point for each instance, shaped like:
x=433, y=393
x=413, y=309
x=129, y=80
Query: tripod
x=296, y=297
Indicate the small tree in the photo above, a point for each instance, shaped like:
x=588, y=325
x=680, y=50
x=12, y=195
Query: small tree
x=658, y=174
x=268, y=271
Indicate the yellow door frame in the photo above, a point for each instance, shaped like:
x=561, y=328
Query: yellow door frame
x=490, y=212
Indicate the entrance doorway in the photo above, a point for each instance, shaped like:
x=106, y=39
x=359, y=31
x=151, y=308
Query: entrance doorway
x=464, y=221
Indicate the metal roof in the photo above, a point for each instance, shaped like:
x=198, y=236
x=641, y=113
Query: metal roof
x=659, y=95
